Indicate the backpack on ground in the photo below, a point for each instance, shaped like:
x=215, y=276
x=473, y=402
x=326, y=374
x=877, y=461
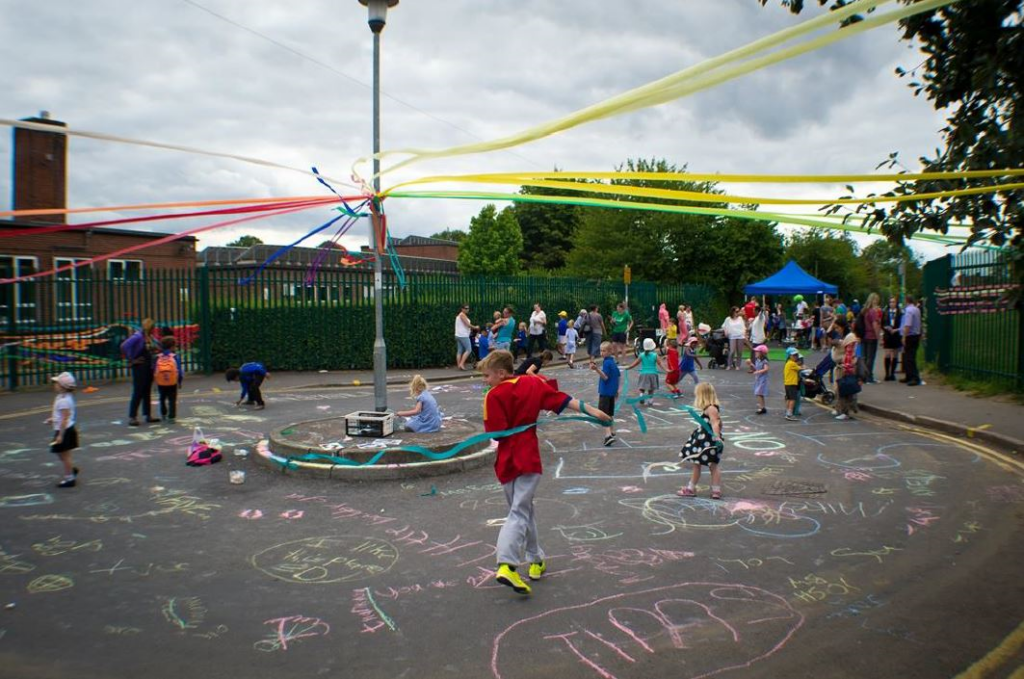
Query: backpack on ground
x=166, y=371
x=202, y=452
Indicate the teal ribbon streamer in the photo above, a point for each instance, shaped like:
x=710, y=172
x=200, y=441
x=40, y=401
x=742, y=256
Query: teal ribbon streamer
x=289, y=462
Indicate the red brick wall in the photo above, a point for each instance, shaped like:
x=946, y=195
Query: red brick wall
x=449, y=252
x=40, y=171
x=180, y=254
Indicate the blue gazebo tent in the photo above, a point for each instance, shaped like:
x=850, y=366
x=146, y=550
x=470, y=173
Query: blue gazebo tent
x=790, y=280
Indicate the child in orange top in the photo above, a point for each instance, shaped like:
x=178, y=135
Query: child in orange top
x=512, y=402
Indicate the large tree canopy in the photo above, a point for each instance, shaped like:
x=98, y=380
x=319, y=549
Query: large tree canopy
x=493, y=244
x=548, y=229
x=974, y=69
x=829, y=258
x=725, y=254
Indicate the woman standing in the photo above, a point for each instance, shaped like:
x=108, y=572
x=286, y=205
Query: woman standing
x=663, y=319
x=463, y=330
x=735, y=329
x=872, y=333
x=892, y=318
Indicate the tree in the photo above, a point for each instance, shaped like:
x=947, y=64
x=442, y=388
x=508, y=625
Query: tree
x=548, y=229
x=882, y=260
x=733, y=253
x=973, y=69
x=674, y=247
x=457, y=235
x=832, y=259
x=245, y=242
x=493, y=245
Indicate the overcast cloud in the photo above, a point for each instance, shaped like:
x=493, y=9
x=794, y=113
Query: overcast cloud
x=453, y=72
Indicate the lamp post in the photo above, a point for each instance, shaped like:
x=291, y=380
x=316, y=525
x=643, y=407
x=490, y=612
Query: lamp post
x=378, y=12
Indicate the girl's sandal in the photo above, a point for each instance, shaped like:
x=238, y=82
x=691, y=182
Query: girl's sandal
x=686, y=492
x=716, y=495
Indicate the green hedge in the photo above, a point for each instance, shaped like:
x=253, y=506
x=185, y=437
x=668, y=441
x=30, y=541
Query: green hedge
x=418, y=334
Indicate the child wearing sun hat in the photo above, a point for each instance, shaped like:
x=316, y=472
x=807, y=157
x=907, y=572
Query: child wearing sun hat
x=65, y=436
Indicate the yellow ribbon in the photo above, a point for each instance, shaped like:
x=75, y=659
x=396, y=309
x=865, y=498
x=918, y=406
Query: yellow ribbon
x=694, y=79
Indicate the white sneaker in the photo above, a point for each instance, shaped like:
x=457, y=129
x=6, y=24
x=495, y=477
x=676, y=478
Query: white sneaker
x=843, y=416
x=834, y=412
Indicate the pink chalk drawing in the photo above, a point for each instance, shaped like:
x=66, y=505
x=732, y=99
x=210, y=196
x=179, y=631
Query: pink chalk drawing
x=292, y=514
x=250, y=514
x=702, y=628
x=289, y=630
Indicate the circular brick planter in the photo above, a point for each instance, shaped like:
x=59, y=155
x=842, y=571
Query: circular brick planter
x=327, y=437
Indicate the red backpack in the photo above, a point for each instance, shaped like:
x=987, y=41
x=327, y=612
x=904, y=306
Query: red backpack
x=166, y=371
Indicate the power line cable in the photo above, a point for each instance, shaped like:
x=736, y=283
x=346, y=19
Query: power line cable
x=335, y=71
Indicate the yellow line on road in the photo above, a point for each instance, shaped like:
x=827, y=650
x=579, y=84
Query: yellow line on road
x=997, y=657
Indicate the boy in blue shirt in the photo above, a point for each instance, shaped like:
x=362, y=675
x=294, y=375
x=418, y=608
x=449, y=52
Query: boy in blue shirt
x=607, y=388
x=483, y=343
x=251, y=376
x=563, y=326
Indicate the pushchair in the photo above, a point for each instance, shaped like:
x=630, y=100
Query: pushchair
x=718, y=348
x=644, y=333
x=813, y=381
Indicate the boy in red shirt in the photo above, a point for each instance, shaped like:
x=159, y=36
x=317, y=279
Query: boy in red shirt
x=514, y=401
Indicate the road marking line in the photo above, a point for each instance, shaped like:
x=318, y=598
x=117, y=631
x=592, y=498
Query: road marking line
x=997, y=657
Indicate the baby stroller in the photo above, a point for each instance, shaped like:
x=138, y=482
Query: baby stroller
x=718, y=348
x=647, y=333
x=813, y=382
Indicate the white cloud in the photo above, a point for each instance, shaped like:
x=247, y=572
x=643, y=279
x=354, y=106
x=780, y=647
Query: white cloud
x=453, y=72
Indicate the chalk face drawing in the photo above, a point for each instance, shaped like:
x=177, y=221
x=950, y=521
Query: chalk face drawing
x=325, y=560
x=701, y=628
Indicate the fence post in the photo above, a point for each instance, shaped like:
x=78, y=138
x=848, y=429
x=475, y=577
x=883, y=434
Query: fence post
x=937, y=340
x=205, y=334
x=12, y=348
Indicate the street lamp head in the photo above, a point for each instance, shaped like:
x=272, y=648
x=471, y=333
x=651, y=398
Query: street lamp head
x=378, y=12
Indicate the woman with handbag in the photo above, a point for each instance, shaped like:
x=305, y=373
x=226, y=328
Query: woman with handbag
x=844, y=352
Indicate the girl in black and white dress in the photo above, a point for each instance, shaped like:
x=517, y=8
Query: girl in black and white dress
x=705, y=447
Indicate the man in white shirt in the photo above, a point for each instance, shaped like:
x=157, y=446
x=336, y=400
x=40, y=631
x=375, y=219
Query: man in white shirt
x=538, y=330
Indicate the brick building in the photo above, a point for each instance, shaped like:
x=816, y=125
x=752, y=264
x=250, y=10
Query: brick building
x=40, y=183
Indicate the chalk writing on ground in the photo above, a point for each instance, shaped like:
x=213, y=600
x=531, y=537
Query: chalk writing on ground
x=320, y=560
x=290, y=629
x=700, y=628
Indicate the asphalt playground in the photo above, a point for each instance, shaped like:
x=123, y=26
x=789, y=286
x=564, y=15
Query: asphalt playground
x=840, y=549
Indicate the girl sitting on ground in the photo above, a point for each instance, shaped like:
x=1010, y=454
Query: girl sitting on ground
x=424, y=418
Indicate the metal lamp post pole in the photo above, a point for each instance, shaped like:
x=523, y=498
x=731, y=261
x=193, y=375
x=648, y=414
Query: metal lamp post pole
x=377, y=18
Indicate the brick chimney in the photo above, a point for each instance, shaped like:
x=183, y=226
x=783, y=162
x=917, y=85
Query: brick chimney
x=40, y=169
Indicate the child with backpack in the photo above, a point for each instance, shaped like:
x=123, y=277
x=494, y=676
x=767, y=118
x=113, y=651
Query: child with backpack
x=168, y=376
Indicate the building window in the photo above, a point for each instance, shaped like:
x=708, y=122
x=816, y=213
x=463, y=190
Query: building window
x=72, y=293
x=17, y=300
x=125, y=270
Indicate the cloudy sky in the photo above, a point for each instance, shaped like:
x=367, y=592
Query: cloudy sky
x=290, y=82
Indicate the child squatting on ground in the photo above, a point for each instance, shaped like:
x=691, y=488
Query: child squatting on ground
x=424, y=417
x=513, y=402
x=251, y=376
x=65, y=436
x=607, y=387
x=705, y=446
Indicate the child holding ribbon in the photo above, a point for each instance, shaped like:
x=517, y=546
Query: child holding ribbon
x=515, y=403
x=705, y=446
